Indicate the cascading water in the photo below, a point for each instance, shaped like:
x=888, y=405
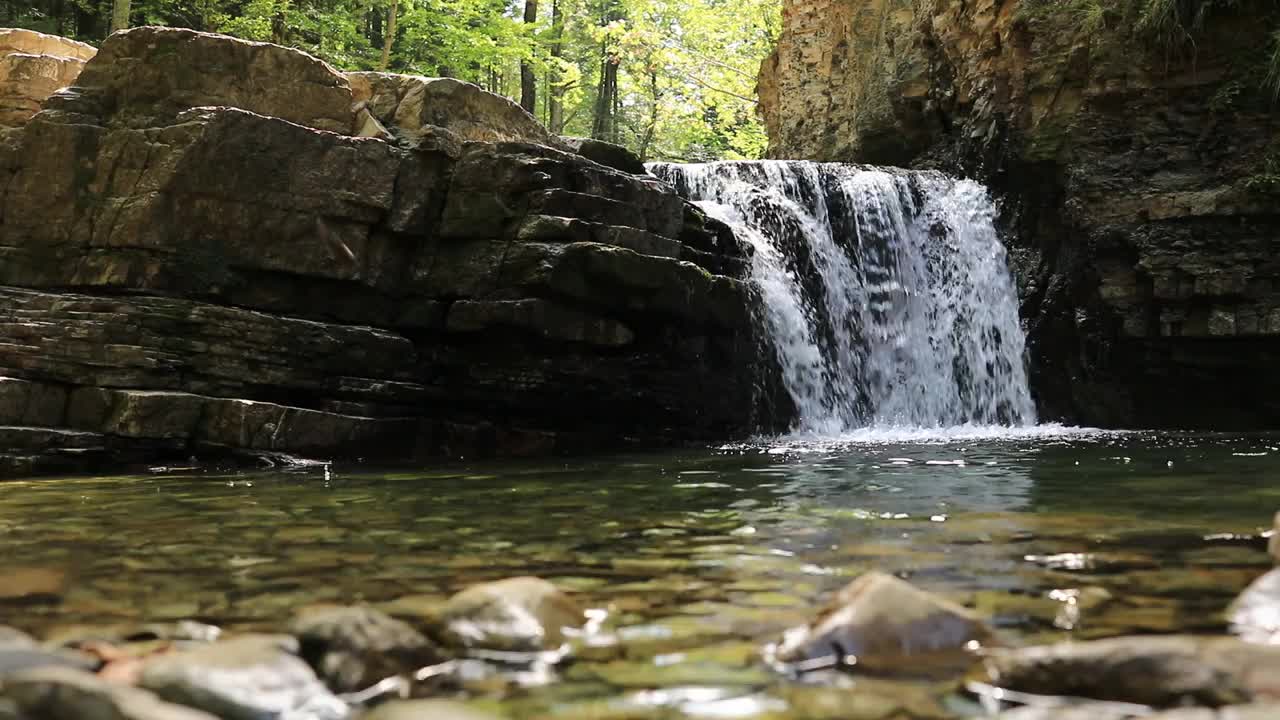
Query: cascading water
x=887, y=293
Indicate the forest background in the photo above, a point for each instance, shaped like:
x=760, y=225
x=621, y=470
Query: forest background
x=669, y=79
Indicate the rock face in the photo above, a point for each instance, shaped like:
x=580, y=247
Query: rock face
x=1138, y=178
x=197, y=261
x=32, y=67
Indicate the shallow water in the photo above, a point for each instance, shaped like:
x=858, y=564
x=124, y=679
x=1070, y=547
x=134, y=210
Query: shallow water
x=699, y=556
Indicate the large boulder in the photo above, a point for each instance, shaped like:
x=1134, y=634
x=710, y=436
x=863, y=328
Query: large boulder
x=61, y=693
x=409, y=105
x=239, y=232
x=353, y=648
x=32, y=67
x=146, y=76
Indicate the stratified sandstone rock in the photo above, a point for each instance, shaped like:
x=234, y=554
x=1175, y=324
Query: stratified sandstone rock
x=32, y=67
x=190, y=262
x=409, y=104
x=1137, y=191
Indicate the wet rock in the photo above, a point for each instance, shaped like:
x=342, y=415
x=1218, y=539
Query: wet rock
x=1255, y=615
x=1273, y=543
x=66, y=694
x=356, y=647
x=607, y=154
x=248, y=678
x=879, y=622
x=15, y=638
x=18, y=657
x=32, y=67
x=1104, y=711
x=426, y=710
x=1161, y=671
x=523, y=614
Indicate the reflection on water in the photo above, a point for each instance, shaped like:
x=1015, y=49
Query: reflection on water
x=700, y=556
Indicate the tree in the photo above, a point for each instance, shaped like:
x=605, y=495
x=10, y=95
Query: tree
x=555, y=89
x=528, y=80
x=389, y=38
x=120, y=15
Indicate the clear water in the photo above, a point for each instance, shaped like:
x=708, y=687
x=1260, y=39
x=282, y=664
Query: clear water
x=886, y=293
x=700, y=556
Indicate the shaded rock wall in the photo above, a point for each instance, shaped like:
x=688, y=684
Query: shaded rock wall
x=195, y=261
x=1138, y=180
x=32, y=67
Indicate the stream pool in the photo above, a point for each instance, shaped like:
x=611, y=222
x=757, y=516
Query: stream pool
x=700, y=557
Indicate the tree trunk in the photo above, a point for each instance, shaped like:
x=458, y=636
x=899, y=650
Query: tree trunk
x=120, y=14
x=390, y=38
x=604, y=124
x=528, y=80
x=555, y=96
x=280, y=24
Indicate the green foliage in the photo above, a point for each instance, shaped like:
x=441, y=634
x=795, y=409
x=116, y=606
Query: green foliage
x=686, y=69
x=1266, y=179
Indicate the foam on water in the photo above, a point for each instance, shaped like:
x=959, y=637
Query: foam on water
x=887, y=296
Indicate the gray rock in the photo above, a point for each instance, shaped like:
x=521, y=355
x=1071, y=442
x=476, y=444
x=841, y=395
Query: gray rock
x=523, y=614
x=881, y=622
x=248, y=678
x=355, y=647
x=426, y=710
x=14, y=638
x=17, y=658
x=1255, y=615
x=1164, y=672
x=66, y=694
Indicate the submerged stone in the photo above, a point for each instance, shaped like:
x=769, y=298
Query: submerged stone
x=1160, y=671
x=248, y=678
x=1255, y=615
x=524, y=614
x=426, y=710
x=879, y=622
x=66, y=694
x=353, y=648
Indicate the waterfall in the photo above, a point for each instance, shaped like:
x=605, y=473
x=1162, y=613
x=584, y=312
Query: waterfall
x=887, y=294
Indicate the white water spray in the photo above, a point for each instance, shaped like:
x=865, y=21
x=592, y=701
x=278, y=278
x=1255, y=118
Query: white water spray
x=887, y=294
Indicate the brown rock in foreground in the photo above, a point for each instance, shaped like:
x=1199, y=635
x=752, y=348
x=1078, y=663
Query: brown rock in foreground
x=197, y=262
x=879, y=623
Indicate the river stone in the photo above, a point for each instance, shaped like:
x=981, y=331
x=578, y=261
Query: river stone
x=353, y=648
x=884, y=623
x=426, y=710
x=248, y=678
x=14, y=638
x=523, y=614
x=1255, y=615
x=1273, y=543
x=1166, y=671
x=66, y=694
x=16, y=658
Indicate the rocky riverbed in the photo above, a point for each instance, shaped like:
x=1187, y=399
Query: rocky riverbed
x=939, y=580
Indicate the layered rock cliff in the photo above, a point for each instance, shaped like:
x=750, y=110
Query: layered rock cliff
x=214, y=245
x=32, y=67
x=1135, y=159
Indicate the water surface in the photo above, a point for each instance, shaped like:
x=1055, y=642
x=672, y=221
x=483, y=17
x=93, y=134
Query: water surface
x=699, y=556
